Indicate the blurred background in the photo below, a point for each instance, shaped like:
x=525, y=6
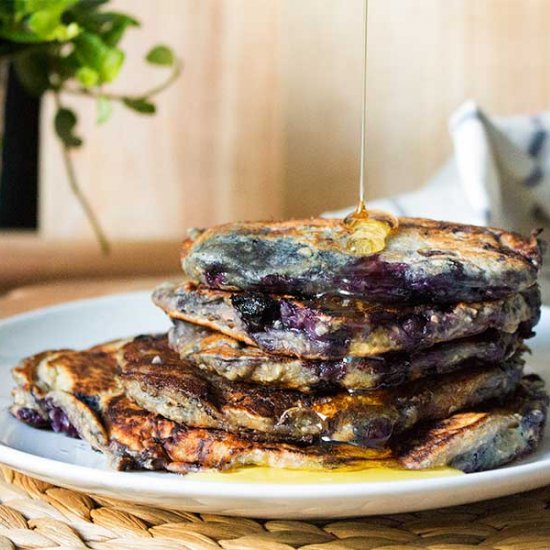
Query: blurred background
x=264, y=121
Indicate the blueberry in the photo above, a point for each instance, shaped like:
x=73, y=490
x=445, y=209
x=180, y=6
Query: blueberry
x=257, y=311
x=32, y=418
x=60, y=421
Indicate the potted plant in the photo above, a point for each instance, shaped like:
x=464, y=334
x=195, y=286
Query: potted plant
x=73, y=47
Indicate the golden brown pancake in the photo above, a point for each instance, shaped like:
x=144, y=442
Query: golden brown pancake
x=134, y=438
x=160, y=381
x=78, y=393
x=142, y=440
x=483, y=439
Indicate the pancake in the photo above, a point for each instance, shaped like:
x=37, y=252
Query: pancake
x=424, y=261
x=157, y=379
x=143, y=440
x=483, y=440
x=64, y=389
x=339, y=327
x=78, y=393
x=134, y=438
x=238, y=362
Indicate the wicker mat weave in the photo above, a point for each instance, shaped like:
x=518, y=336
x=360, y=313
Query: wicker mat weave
x=35, y=514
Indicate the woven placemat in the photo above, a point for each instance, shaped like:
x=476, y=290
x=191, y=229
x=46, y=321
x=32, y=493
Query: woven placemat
x=35, y=514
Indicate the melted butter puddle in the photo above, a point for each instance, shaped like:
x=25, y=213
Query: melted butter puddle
x=264, y=474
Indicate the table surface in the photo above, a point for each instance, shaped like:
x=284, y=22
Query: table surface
x=34, y=514
x=30, y=297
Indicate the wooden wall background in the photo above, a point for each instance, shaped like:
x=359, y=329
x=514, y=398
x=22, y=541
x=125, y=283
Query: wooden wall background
x=265, y=120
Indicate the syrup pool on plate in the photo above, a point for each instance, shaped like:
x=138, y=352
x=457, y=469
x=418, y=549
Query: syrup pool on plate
x=264, y=474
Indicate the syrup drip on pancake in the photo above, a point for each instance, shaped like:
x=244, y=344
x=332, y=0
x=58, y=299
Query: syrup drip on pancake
x=368, y=229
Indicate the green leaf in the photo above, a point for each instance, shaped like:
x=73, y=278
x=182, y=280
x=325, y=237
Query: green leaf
x=65, y=122
x=119, y=24
x=112, y=63
x=85, y=6
x=45, y=20
x=44, y=23
x=92, y=52
x=104, y=109
x=160, y=55
x=7, y=8
x=30, y=6
x=110, y=26
x=65, y=33
x=141, y=105
x=87, y=76
x=67, y=66
x=32, y=69
x=17, y=35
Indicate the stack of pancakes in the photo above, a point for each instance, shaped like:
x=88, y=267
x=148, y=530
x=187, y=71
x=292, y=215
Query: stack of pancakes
x=289, y=350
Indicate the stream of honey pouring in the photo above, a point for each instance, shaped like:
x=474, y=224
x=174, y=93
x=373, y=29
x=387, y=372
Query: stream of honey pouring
x=368, y=229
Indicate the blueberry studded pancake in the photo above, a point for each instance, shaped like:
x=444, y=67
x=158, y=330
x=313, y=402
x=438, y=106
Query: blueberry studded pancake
x=64, y=389
x=78, y=393
x=338, y=327
x=424, y=261
x=134, y=438
x=484, y=439
x=157, y=379
x=238, y=362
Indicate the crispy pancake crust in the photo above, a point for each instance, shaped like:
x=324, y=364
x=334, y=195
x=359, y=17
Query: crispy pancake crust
x=220, y=354
x=144, y=440
x=63, y=389
x=475, y=441
x=138, y=439
x=339, y=327
x=424, y=260
x=160, y=381
x=51, y=393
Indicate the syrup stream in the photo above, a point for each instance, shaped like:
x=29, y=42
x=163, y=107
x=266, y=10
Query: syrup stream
x=368, y=229
x=362, y=174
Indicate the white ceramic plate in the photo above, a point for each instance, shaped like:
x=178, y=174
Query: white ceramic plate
x=71, y=463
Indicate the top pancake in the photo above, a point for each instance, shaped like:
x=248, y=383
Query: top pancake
x=424, y=261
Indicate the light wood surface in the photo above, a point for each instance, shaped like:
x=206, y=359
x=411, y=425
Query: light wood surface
x=30, y=297
x=210, y=154
x=425, y=58
x=26, y=258
x=265, y=121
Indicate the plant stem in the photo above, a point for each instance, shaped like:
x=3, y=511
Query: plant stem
x=163, y=85
x=77, y=191
x=119, y=97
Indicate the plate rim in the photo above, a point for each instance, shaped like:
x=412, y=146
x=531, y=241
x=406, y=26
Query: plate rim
x=70, y=304
x=137, y=481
